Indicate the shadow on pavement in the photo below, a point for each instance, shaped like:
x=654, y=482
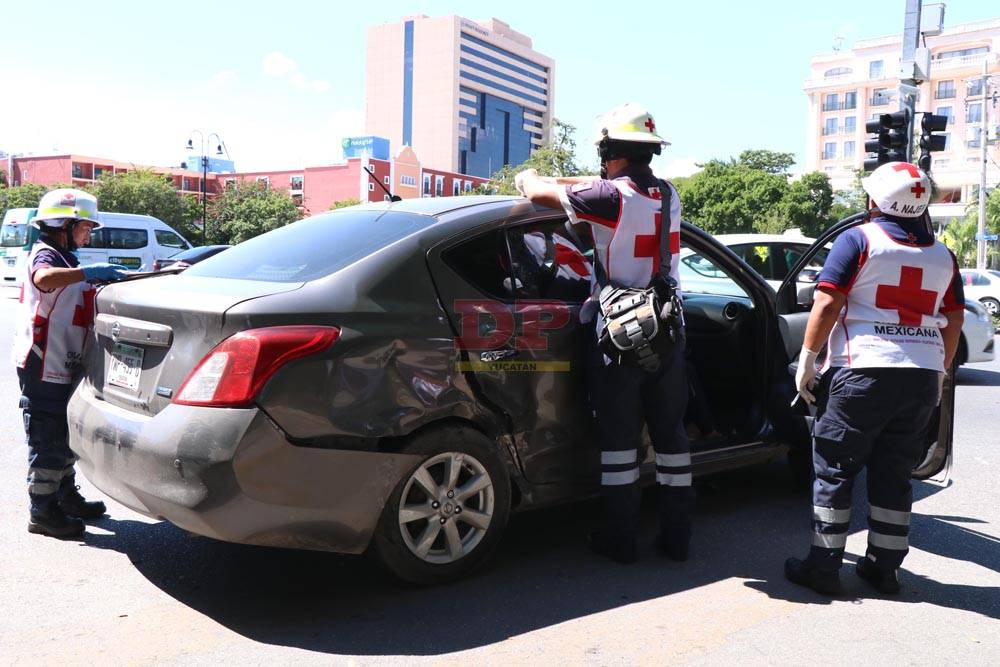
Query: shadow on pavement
x=746, y=524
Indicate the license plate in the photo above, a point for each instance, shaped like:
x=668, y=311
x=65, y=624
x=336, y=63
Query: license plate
x=11, y=261
x=126, y=366
x=127, y=262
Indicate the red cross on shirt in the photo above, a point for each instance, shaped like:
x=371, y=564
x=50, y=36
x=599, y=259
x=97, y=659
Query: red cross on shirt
x=83, y=316
x=909, y=299
x=650, y=125
x=648, y=245
x=571, y=258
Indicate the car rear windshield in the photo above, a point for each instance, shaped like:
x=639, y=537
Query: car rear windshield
x=311, y=248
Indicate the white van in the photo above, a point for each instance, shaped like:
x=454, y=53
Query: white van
x=134, y=241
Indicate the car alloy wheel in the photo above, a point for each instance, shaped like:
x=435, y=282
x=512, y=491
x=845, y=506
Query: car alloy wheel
x=446, y=507
x=992, y=306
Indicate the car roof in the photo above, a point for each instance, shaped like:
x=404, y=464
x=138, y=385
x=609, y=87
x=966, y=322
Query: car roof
x=736, y=239
x=436, y=206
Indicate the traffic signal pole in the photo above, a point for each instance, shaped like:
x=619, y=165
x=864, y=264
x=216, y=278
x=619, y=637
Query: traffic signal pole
x=908, y=87
x=981, y=230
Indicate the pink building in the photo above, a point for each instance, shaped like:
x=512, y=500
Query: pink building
x=314, y=189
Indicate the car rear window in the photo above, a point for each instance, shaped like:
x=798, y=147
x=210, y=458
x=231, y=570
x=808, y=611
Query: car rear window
x=311, y=248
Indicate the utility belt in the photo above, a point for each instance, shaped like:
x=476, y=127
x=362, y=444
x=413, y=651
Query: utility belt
x=640, y=325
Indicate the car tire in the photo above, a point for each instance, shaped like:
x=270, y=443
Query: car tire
x=426, y=538
x=991, y=305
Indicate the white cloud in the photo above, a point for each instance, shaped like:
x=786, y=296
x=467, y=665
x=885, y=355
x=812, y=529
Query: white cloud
x=678, y=167
x=299, y=81
x=320, y=86
x=223, y=78
x=278, y=64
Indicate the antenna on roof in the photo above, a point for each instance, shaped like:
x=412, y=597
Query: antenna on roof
x=838, y=42
x=392, y=197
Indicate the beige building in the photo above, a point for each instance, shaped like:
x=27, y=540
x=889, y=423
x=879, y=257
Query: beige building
x=468, y=96
x=850, y=87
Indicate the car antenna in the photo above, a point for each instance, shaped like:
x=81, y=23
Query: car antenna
x=392, y=197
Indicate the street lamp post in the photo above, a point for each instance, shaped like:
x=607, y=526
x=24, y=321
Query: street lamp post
x=204, y=174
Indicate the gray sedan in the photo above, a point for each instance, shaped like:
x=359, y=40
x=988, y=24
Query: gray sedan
x=399, y=378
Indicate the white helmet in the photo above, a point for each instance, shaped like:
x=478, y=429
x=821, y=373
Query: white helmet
x=629, y=122
x=899, y=188
x=58, y=206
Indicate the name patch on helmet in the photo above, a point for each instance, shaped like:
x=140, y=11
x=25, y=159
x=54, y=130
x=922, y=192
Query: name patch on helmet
x=906, y=209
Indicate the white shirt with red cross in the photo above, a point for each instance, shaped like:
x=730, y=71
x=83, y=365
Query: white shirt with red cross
x=628, y=246
x=892, y=317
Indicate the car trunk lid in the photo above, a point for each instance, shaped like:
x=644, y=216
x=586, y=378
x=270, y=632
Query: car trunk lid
x=149, y=334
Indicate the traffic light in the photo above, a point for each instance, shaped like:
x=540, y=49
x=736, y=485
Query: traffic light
x=930, y=142
x=889, y=143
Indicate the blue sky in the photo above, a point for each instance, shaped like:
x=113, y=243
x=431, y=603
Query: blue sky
x=283, y=82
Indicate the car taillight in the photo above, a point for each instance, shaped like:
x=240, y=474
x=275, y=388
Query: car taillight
x=232, y=374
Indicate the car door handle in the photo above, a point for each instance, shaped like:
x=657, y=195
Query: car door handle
x=497, y=355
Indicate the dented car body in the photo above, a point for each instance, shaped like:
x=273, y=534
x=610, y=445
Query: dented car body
x=449, y=380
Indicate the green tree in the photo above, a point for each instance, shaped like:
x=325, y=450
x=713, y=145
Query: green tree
x=960, y=236
x=145, y=192
x=554, y=159
x=20, y=196
x=807, y=204
x=344, y=203
x=849, y=202
x=247, y=209
x=730, y=198
x=766, y=161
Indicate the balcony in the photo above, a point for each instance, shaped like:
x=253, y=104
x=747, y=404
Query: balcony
x=829, y=156
x=843, y=130
x=840, y=106
x=963, y=62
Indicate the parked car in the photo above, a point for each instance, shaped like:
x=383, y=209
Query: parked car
x=984, y=286
x=976, y=343
x=190, y=256
x=401, y=377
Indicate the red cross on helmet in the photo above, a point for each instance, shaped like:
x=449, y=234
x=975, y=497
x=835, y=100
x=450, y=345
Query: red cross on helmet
x=629, y=122
x=899, y=188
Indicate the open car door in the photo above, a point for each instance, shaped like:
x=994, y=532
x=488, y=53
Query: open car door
x=792, y=318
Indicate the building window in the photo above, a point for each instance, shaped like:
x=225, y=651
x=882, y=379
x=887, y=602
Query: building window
x=264, y=180
x=831, y=102
x=851, y=100
x=230, y=183
x=186, y=184
x=881, y=97
x=945, y=90
x=371, y=187
x=295, y=183
x=974, y=88
x=297, y=200
x=975, y=135
x=439, y=186
x=974, y=113
x=943, y=162
x=385, y=180
x=850, y=125
x=875, y=69
x=836, y=71
x=77, y=170
x=468, y=186
x=848, y=149
x=456, y=187
x=947, y=141
x=962, y=53
x=945, y=111
x=427, y=184
x=409, y=181
x=830, y=126
x=829, y=151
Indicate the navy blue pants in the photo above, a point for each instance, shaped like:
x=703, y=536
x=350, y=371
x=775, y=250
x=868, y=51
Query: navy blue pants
x=875, y=418
x=50, y=460
x=623, y=398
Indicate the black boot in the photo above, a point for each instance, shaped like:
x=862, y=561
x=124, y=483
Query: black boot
x=805, y=574
x=884, y=581
x=52, y=521
x=618, y=548
x=73, y=504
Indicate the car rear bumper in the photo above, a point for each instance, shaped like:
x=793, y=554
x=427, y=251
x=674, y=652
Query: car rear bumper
x=980, y=342
x=230, y=474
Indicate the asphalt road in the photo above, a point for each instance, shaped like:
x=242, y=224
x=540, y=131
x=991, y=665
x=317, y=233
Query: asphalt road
x=137, y=591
